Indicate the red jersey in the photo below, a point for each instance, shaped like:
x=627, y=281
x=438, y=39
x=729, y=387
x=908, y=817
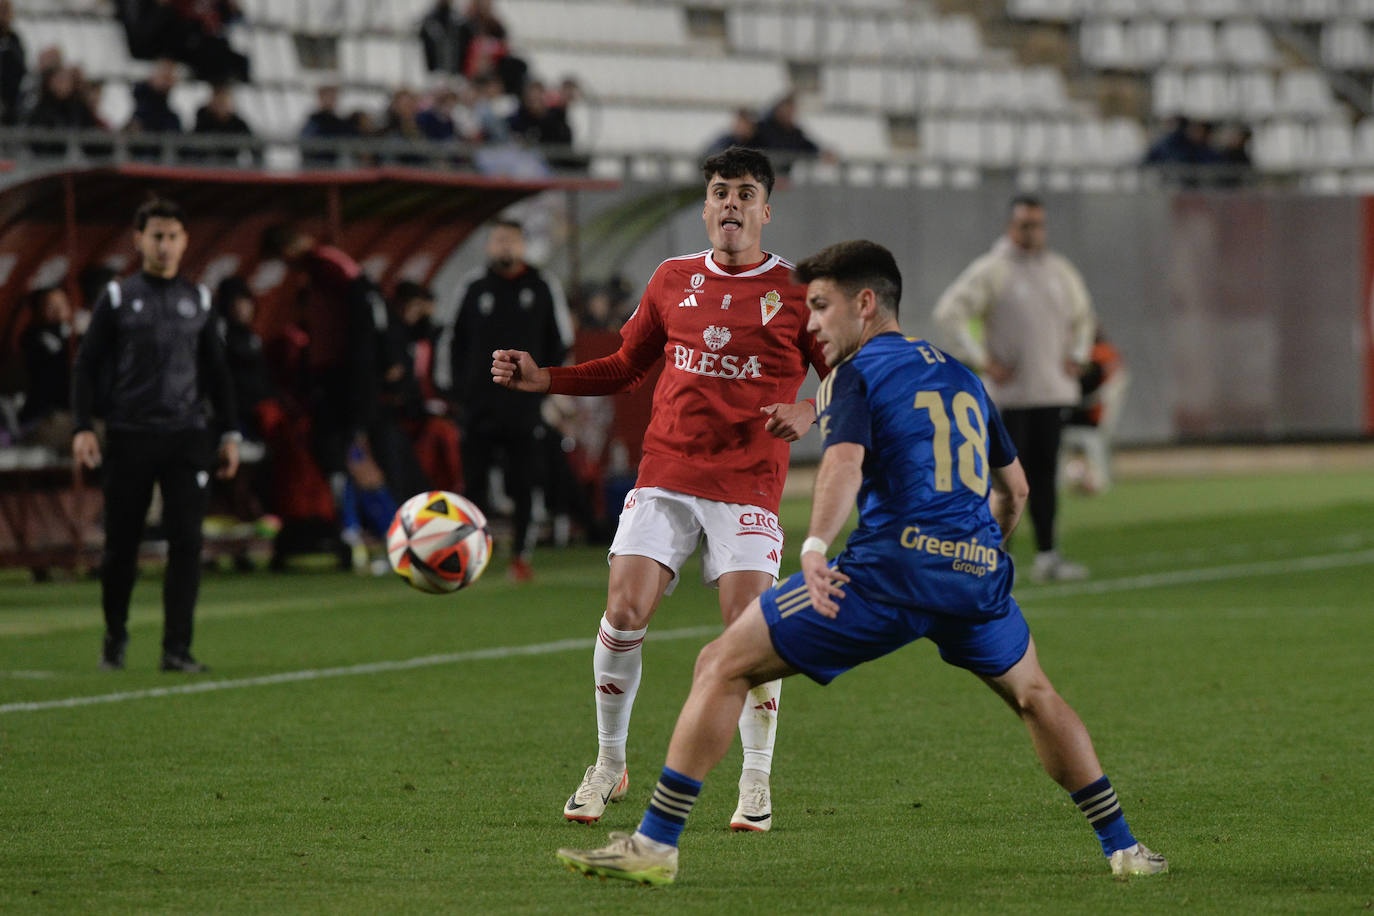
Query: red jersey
x=733, y=343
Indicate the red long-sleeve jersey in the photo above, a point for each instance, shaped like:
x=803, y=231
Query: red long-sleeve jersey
x=733, y=344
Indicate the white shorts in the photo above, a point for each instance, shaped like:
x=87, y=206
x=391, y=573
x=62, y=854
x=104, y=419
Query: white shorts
x=666, y=526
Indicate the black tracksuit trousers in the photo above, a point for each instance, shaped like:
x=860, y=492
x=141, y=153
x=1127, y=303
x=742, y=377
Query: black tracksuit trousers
x=179, y=461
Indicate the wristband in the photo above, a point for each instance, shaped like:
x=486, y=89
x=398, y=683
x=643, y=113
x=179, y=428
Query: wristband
x=814, y=544
x=233, y=436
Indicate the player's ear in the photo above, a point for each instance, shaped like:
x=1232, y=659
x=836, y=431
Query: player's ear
x=767, y=214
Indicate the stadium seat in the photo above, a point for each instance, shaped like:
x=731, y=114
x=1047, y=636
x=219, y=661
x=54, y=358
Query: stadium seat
x=1193, y=44
x=1345, y=45
x=1304, y=93
x=1102, y=43
x=1255, y=95
x=1246, y=43
x=595, y=23
x=1149, y=43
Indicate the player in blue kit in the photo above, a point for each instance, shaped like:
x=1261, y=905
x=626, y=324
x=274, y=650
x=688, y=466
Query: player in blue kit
x=909, y=433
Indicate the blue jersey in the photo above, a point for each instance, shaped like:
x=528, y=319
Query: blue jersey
x=926, y=538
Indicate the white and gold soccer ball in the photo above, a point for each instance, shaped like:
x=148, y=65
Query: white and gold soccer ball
x=438, y=542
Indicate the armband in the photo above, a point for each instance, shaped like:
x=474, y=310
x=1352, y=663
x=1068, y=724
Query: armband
x=233, y=436
x=814, y=544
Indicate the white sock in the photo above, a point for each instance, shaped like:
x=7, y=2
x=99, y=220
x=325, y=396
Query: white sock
x=616, y=665
x=758, y=726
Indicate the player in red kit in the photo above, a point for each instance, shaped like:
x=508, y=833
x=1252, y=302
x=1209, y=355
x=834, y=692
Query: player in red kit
x=731, y=325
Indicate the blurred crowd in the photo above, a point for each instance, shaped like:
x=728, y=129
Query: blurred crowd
x=376, y=381
x=480, y=94
x=1197, y=152
x=481, y=100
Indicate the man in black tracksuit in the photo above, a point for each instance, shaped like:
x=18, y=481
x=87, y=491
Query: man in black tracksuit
x=150, y=357
x=509, y=304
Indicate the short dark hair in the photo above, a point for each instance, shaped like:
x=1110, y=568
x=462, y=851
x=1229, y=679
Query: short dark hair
x=231, y=289
x=739, y=162
x=855, y=266
x=1026, y=200
x=158, y=208
x=505, y=222
x=276, y=239
x=408, y=291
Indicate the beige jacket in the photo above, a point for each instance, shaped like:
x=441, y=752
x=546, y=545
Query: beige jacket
x=1036, y=316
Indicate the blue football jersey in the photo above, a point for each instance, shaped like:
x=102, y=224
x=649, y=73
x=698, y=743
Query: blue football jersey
x=926, y=537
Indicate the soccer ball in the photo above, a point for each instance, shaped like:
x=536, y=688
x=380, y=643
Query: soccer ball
x=438, y=542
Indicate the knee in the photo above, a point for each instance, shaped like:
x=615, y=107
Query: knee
x=626, y=612
x=711, y=664
x=1035, y=700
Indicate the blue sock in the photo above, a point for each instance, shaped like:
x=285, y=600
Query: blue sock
x=377, y=508
x=667, y=813
x=1099, y=804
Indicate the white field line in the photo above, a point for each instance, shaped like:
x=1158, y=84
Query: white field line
x=316, y=674
x=1193, y=576
x=1032, y=593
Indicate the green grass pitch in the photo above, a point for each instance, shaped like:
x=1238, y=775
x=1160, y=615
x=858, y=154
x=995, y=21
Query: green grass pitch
x=1220, y=656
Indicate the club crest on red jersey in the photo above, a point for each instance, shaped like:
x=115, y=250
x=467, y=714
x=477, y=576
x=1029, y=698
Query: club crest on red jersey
x=716, y=337
x=697, y=280
x=771, y=304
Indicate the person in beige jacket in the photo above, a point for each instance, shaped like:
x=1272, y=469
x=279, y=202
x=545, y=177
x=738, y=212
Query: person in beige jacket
x=1037, y=332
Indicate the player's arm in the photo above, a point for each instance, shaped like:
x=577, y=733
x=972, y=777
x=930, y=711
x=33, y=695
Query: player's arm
x=846, y=433
x=1008, y=479
x=837, y=486
x=219, y=382
x=789, y=422
x=1008, y=498
x=641, y=346
x=96, y=346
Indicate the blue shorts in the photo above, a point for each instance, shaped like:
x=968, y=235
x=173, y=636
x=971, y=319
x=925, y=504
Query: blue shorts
x=823, y=649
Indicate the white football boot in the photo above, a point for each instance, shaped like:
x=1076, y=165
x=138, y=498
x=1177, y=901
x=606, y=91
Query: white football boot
x=755, y=808
x=599, y=787
x=627, y=857
x=1137, y=860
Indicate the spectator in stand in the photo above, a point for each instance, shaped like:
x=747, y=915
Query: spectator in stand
x=471, y=45
x=190, y=31
x=401, y=125
x=436, y=121
x=49, y=61
x=1184, y=151
x=13, y=67
x=325, y=123
x=153, y=112
x=487, y=110
x=779, y=133
x=218, y=117
x=442, y=38
x=743, y=132
x=537, y=122
x=1233, y=156
x=46, y=418
x=60, y=107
